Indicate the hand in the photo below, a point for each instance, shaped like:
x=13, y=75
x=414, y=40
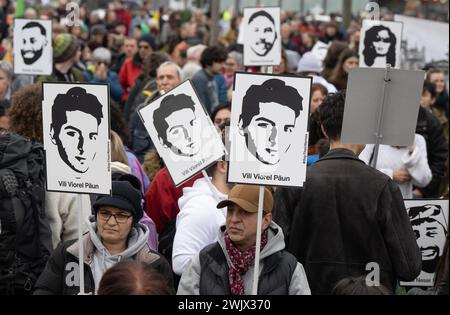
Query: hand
x=417, y=193
x=411, y=148
x=101, y=71
x=401, y=176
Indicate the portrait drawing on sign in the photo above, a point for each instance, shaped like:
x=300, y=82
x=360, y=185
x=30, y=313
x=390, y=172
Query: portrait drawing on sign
x=262, y=33
x=268, y=118
x=379, y=47
x=34, y=40
x=176, y=125
x=430, y=227
x=76, y=117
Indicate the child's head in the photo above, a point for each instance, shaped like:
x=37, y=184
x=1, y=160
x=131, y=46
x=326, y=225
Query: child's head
x=428, y=94
x=358, y=286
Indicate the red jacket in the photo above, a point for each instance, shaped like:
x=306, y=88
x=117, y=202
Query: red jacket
x=127, y=76
x=161, y=198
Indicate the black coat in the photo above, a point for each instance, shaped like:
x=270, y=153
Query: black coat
x=430, y=128
x=60, y=274
x=347, y=215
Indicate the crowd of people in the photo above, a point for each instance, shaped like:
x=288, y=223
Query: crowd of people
x=151, y=237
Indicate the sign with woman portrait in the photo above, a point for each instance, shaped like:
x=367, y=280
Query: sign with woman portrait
x=380, y=44
x=76, y=132
x=33, y=52
x=429, y=220
x=268, y=129
x=182, y=132
x=262, y=39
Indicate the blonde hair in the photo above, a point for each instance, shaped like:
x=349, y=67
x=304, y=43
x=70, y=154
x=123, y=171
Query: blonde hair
x=117, y=149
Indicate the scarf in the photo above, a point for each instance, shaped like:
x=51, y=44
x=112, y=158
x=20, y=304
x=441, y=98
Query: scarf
x=240, y=262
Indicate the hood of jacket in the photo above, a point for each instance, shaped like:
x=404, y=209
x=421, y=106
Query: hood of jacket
x=201, y=191
x=102, y=259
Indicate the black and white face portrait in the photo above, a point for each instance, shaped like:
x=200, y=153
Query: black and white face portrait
x=268, y=114
x=429, y=221
x=182, y=132
x=176, y=123
x=262, y=36
x=32, y=46
x=77, y=123
x=380, y=44
x=429, y=225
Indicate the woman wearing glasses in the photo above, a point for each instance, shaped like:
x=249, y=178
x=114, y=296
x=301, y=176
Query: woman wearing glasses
x=116, y=235
x=379, y=47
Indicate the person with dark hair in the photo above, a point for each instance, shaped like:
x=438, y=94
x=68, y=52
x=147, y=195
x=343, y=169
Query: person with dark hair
x=336, y=226
x=133, y=278
x=76, y=116
x=226, y=267
x=115, y=235
x=221, y=114
x=263, y=32
x=204, y=81
x=437, y=76
x=34, y=39
x=433, y=132
x=348, y=60
x=269, y=110
x=379, y=47
x=332, y=57
x=358, y=286
x=176, y=124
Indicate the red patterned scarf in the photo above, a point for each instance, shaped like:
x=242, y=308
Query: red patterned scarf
x=241, y=261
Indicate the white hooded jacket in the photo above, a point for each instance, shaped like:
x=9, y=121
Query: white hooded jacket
x=198, y=222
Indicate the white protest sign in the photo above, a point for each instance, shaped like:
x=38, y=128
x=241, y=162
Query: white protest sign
x=182, y=132
x=268, y=129
x=32, y=43
x=429, y=220
x=425, y=34
x=76, y=131
x=380, y=44
x=262, y=38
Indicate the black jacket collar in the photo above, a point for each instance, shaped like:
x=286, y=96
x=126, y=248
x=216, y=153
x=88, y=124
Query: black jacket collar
x=340, y=153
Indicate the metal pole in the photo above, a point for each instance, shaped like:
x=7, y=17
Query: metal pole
x=302, y=7
x=324, y=6
x=347, y=12
x=378, y=134
x=215, y=13
x=237, y=7
x=258, y=241
x=80, y=242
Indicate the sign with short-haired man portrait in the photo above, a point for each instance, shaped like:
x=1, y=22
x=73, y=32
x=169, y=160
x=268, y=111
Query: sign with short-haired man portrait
x=33, y=52
x=76, y=132
x=182, y=132
x=429, y=221
x=262, y=38
x=268, y=129
x=380, y=44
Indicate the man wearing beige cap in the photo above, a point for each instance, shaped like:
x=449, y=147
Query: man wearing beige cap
x=226, y=267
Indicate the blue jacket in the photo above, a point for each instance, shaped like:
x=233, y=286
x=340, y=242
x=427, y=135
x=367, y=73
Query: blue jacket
x=116, y=90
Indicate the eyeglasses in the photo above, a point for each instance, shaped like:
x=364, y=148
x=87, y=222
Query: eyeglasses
x=383, y=39
x=105, y=215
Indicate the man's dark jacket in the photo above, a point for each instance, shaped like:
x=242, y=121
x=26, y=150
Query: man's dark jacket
x=348, y=215
x=430, y=128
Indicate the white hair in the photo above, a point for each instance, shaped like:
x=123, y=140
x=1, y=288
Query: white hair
x=171, y=63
